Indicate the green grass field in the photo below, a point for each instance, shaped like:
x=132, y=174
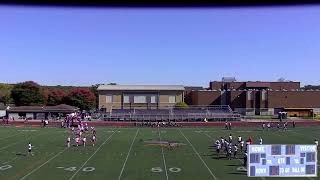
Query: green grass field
x=120, y=153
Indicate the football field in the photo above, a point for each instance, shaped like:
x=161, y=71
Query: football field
x=133, y=153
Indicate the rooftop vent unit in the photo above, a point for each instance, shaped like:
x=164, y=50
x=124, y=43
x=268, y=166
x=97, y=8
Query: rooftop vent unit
x=229, y=79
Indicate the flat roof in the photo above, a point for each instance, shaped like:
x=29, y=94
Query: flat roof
x=142, y=87
x=57, y=108
x=258, y=82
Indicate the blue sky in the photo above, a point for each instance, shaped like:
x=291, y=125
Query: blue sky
x=85, y=46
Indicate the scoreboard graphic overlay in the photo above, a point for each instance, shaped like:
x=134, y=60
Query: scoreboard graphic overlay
x=282, y=160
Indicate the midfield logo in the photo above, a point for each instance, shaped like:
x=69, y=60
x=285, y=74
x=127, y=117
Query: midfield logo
x=163, y=143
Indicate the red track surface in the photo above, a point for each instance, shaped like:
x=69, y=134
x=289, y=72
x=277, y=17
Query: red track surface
x=184, y=124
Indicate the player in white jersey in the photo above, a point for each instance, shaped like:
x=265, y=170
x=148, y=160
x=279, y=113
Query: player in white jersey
x=77, y=141
x=93, y=140
x=218, y=149
x=285, y=126
x=241, y=145
x=239, y=139
x=268, y=126
x=226, y=145
x=230, y=138
x=260, y=141
x=316, y=142
x=222, y=140
x=84, y=140
x=263, y=126
x=68, y=141
x=235, y=150
x=29, y=149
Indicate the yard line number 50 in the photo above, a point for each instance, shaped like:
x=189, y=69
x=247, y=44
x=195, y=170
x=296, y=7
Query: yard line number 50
x=159, y=169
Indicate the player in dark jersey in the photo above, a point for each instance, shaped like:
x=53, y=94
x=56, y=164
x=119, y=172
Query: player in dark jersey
x=245, y=157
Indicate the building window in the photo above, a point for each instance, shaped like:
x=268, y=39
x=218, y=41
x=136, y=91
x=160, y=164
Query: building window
x=126, y=99
x=139, y=99
x=153, y=99
x=109, y=98
x=172, y=99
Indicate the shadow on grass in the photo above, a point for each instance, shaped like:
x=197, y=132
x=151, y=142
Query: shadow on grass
x=239, y=173
x=232, y=165
x=21, y=154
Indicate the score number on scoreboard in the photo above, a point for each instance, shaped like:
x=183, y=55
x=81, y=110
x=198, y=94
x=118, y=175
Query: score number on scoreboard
x=282, y=160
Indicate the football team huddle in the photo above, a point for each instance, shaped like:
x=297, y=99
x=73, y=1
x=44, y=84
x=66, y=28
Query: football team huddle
x=80, y=135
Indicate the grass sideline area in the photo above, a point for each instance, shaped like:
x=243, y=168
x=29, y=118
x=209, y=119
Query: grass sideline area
x=121, y=153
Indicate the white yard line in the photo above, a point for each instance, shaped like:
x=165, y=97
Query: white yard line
x=204, y=163
x=92, y=156
x=125, y=162
x=11, y=136
x=10, y=160
x=5, y=147
x=164, y=160
x=34, y=170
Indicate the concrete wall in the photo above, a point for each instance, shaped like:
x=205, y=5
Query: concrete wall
x=316, y=110
x=16, y=115
x=267, y=112
x=2, y=113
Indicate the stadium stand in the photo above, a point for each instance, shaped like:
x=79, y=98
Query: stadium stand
x=193, y=113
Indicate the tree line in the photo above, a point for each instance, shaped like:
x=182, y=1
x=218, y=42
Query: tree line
x=30, y=93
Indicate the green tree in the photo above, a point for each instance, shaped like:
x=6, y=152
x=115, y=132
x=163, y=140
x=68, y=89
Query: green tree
x=27, y=93
x=5, y=93
x=181, y=105
x=82, y=98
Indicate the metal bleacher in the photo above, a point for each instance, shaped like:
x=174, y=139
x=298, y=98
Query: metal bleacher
x=192, y=113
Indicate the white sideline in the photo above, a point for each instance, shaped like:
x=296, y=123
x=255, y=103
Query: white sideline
x=164, y=160
x=5, y=147
x=214, y=177
x=43, y=164
x=125, y=162
x=11, y=136
x=10, y=160
x=91, y=156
